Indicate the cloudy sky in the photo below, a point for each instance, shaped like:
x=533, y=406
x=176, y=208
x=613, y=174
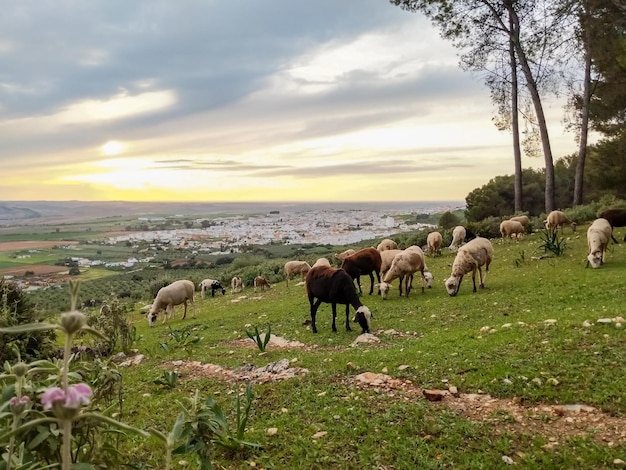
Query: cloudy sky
x=241, y=100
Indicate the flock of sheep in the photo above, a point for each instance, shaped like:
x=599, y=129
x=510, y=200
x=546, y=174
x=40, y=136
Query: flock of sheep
x=326, y=284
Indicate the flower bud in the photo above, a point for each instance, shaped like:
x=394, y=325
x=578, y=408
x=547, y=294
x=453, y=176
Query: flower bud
x=73, y=321
x=18, y=405
x=20, y=369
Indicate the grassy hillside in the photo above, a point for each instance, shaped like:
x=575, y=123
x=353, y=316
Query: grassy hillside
x=516, y=351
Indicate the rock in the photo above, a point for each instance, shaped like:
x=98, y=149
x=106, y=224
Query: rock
x=507, y=460
x=550, y=321
x=619, y=463
x=453, y=390
x=434, y=395
x=350, y=366
x=365, y=338
x=565, y=409
x=319, y=434
x=271, y=431
x=403, y=367
x=604, y=320
x=586, y=324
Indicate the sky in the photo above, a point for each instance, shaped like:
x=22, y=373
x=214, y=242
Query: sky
x=242, y=100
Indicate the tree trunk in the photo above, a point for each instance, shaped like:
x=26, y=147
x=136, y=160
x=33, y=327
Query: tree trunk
x=517, y=153
x=584, y=126
x=541, y=118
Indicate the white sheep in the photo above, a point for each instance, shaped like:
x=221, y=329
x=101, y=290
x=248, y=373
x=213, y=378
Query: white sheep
x=344, y=254
x=386, y=258
x=387, y=244
x=558, y=219
x=296, y=267
x=598, y=236
x=236, y=284
x=403, y=266
x=524, y=220
x=458, y=235
x=433, y=243
x=321, y=262
x=511, y=229
x=168, y=297
x=470, y=258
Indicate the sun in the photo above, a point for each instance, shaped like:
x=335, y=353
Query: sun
x=112, y=147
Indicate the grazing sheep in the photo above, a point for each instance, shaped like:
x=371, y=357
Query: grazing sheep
x=261, y=283
x=616, y=218
x=365, y=261
x=212, y=284
x=470, y=258
x=321, y=262
x=433, y=243
x=296, y=267
x=335, y=286
x=386, y=257
x=558, y=219
x=344, y=254
x=168, y=297
x=403, y=266
x=511, y=229
x=387, y=244
x=458, y=236
x=598, y=236
x=524, y=220
x=236, y=284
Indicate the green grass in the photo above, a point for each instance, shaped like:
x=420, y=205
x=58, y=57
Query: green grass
x=443, y=341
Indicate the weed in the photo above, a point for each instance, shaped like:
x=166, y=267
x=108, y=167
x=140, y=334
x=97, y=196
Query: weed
x=551, y=242
x=169, y=379
x=261, y=341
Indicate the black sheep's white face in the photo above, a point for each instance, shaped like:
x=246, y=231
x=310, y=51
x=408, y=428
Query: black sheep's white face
x=363, y=317
x=453, y=284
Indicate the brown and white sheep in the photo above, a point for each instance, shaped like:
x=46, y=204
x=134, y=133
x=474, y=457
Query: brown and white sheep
x=168, y=297
x=296, y=267
x=211, y=284
x=616, y=218
x=387, y=244
x=403, y=266
x=236, y=284
x=335, y=286
x=598, y=236
x=470, y=258
x=365, y=261
x=458, y=236
x=524, y=220
x=434, y=241
x=511, y=229
x=261, y=283
x=558, y=219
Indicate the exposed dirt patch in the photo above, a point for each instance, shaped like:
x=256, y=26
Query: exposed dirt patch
x=33, y=244
x=37, y=269
x=554, y=422
x=274, y=342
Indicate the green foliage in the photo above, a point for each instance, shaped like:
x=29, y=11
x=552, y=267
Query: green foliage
x=184, y=338
x=551, y=242
x=261, y=341
x=157, y=284
x=448, y=220
x=113, y=320
x=169, y=379
x=16, y=309
x=488, y=228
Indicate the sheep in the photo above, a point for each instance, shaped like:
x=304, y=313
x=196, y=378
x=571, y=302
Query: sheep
x=261, y=283
x=296, y=267
x=365, y=261
x=386, y=257
x=321, y=262
x=558, y=219
x=212, y=284
x=471, y=257
x=403, y=266
x=433, y=243
x=598, y=236
x=458, y=236
x=335, y=286
x=236, y=284
x=168, y=297
x=387, y=244
x=511, y=229
x=344, y=254
x=616, y=218
x=524, y=220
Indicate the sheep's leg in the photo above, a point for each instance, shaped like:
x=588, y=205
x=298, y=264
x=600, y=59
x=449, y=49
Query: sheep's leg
x=377, y=277
x=334, y=306
x=314, y=307
x=185, y=310
x=407, y=284
x=372, y=283
x=482, y=279
x=348, y=318
x=474, y=279
x=400, y=282
x=358, y=283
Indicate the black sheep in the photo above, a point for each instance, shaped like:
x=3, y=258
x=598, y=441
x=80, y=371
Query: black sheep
x=616, y=217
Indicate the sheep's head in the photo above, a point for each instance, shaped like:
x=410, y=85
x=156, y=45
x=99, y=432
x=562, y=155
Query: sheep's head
x=453, y=283
x=363, y=317
x=152, y=317
x=428, y=279
x=384, y=289
x=595, y=259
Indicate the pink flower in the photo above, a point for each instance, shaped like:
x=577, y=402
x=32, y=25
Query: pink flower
x=75, y=396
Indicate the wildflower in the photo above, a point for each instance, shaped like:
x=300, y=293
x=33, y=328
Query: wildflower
x=66, y=403
x=18, y=404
